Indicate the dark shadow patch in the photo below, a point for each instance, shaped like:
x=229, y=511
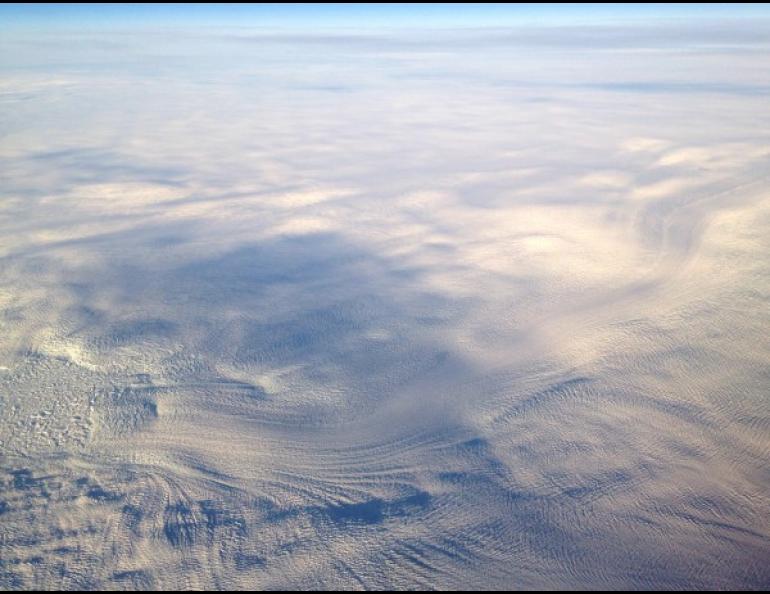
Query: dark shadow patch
x=180, y=525
x=10, y=580
x=368, y=512
x=247, y=561
x=133, y=580
x=97, y=493
x=66, y=550
x=143, y=378
x=132, y=518
x=218, y=517
x=376, y=511
x=23, y=480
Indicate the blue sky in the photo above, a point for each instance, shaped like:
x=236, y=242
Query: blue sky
x=358, y=15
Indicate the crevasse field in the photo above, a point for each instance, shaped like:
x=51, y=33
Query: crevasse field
x=385, y=308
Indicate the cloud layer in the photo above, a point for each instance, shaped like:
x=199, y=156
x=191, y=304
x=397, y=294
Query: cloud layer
x=413, y=310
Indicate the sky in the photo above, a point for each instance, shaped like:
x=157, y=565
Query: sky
x=363, y=15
